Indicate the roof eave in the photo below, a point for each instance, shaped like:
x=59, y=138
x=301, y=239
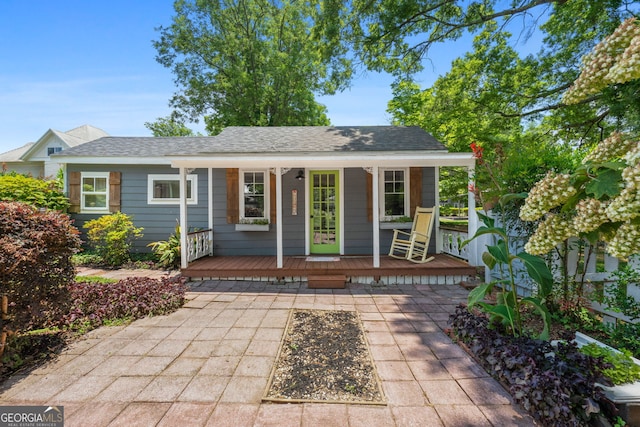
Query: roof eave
x=325, y=160
x=115, y=160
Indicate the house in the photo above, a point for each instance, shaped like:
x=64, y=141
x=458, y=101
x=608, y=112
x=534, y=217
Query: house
x=264, y=191
x=34, y=158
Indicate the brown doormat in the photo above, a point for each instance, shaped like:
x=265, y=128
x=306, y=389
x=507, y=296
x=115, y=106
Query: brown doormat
x=324, y=357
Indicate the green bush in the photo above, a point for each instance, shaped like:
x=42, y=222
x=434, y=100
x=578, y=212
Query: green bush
x=111, y=237
x=168, y=251
x=32, y=191
x=623, y=336
x=35, y=262
x=88, y=258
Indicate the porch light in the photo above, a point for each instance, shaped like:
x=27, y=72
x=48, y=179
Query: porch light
x=300, y=175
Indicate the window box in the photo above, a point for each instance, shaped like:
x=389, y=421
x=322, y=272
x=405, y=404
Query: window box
x=252, y=227
x=396, y=225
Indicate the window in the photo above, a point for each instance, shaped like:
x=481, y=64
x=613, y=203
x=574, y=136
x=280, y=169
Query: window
x=53, y=150
x=254, y=203
x=95, y=191
x=165, y=189
x=394, y=198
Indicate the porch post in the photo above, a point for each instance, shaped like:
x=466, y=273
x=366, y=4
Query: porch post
x=475, y=257
x=210, y=207
x=184, y=262
x=437, y=210
x=279, y=216
x=376, y=217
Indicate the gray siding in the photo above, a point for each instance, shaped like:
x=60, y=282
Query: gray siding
x=159, y=221
x=229, y=242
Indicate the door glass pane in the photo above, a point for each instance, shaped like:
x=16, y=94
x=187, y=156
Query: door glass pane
x=324, y=209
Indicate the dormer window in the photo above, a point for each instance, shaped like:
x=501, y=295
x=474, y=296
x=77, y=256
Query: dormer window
x=53, y=150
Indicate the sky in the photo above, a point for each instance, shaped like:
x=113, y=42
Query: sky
x=67, y=63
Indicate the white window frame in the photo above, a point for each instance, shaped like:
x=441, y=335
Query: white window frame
x=267, y=180
x=151, y=178
x=381, y=193
x=90, y=209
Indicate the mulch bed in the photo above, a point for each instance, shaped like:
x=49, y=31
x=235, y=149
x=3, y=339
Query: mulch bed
x=324, y=357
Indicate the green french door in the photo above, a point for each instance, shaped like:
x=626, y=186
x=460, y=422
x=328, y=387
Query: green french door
x=324, y=212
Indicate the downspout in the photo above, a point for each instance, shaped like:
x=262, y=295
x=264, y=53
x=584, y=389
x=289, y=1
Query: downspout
x=184, y=262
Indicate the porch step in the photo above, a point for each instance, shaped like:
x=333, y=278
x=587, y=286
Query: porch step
x=335, y=281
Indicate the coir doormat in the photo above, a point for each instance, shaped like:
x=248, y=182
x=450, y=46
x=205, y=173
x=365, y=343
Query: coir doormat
x=322, y=258
x=324, y=357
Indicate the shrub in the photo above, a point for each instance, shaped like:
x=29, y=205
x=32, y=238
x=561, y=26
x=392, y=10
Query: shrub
x=623, y=336
x=556, y=385
x=96, y=303
x=111, y=237
x=168, y=251
x=86, y=258
x=35, y=262
x=32, y=191
x=616, y=299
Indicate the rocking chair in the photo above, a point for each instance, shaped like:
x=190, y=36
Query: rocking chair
x=413, y=245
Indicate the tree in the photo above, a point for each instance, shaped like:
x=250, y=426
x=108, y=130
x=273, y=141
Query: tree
x=395, y=36
x=510, y=106
x=474, y=105
x=253, y=62
x=168, y=126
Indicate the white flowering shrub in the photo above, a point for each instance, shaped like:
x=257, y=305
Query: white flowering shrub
x=616, y=59
x=600, y=201
x=551, y=191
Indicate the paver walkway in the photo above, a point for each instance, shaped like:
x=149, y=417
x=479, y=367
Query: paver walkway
x=208, y=364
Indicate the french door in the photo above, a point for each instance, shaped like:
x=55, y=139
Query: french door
x=324, y=212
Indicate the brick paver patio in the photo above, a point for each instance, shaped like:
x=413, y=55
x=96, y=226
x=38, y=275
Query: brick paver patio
x=208, y=364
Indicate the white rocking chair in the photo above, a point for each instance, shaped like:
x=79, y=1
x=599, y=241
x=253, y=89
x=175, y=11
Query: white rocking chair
x=413, y=245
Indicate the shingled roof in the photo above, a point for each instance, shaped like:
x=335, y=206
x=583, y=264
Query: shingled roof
x=246, y=139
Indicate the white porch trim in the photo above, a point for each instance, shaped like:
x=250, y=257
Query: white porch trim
x=376, y=216
x=184, y=262
x=279, y=224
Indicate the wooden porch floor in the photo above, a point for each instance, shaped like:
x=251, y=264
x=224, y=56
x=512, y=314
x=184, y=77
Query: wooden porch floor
x=349, y=266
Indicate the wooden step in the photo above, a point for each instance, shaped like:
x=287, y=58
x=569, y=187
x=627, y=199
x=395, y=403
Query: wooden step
x=329, y=281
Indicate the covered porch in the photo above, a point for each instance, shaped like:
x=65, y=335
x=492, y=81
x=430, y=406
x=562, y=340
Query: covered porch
x=350, y=162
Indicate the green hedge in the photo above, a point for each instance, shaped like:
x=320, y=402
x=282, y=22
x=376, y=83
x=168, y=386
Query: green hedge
x=32, y=191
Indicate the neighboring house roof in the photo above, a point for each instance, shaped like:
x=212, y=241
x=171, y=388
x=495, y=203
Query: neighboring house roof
x=71, y=138
x=86, y=133
x=15, y=154
x=286, y=139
